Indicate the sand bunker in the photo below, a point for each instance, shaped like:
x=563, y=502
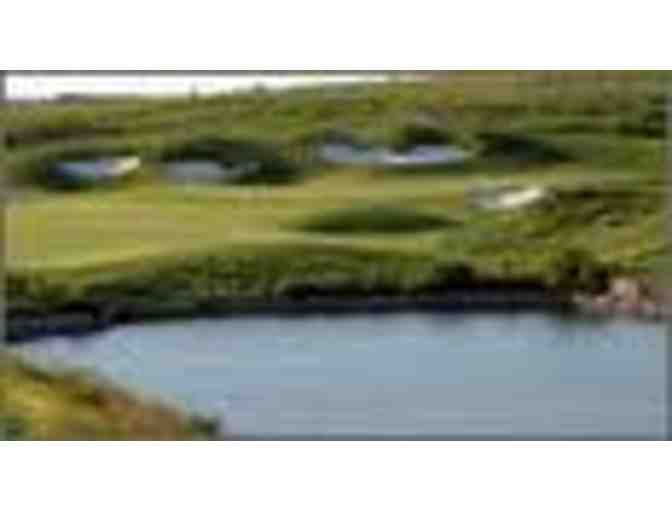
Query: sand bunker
x=209, y=172
x=95, y=171
x=421, y=155
x=508, y=197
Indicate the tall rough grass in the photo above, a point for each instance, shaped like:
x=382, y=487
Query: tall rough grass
x=36, y=404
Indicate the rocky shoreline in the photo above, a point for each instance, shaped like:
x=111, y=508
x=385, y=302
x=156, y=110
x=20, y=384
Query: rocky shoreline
x=625, y=297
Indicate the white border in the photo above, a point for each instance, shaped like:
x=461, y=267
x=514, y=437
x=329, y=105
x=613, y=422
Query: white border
x=335, y=476
x=344, y=35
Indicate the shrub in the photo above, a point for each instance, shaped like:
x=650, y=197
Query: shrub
x=455, y=274
x=38, y=289
x=12, y=428
x=579, y=269
x=652, y=123
x=417, y=133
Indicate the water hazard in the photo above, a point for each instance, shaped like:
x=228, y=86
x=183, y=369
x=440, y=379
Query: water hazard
x=478, y=375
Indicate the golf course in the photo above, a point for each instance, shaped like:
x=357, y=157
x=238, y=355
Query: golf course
x=560, y=191
x=594, y=145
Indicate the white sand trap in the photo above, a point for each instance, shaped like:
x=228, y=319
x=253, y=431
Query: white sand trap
x=509, y=197
x=422, y=155
x=209, y=172
x=97, y=170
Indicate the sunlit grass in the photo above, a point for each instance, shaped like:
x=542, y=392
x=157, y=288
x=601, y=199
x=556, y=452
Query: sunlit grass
x=36, y=404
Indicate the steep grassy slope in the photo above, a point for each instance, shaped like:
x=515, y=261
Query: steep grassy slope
x=39, y=405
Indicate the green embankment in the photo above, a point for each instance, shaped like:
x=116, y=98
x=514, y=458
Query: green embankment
x=36, y=404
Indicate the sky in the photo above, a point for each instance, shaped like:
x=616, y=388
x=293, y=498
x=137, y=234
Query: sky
x=47, y=86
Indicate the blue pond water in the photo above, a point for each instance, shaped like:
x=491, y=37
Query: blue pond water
x=399, y=375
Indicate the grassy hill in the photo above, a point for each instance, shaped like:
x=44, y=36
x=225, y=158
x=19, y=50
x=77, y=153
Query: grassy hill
x=39, y=405
x=595, y=140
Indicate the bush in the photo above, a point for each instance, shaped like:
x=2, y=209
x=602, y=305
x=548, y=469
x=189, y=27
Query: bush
x=652, y=123
x=579, y=269
x=330, y=135
x=456, y=274
x=414, y=134
x=37, y=289
x=12, y=428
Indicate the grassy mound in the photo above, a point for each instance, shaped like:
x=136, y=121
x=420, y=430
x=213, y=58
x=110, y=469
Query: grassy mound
x=608, y=208
x=523, y=149
x=417, y=133
x=650, y=121
x=614, y=229
x=375, y=219
x=274, y=168
x=40, y=405
x=36, y=168
x=62, y=124
x=32, y=168
x=400, y=135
